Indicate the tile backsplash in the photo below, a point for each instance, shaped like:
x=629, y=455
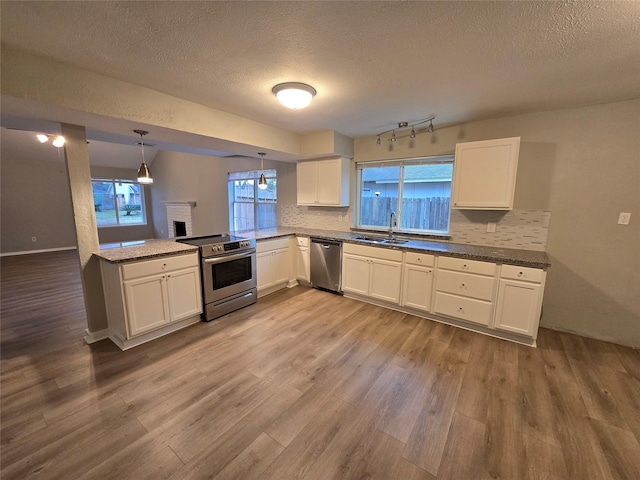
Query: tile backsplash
x=523, y=229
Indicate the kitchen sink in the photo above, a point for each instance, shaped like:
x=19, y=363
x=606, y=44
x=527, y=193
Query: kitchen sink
x=368, y=238
x=395, y=241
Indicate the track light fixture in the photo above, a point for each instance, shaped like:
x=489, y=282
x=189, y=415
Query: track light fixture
x=58, y=140
x=403, y=125
x=262, y=182
x=144, y=175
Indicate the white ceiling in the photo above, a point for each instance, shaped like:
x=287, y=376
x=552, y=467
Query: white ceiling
x=373, y=63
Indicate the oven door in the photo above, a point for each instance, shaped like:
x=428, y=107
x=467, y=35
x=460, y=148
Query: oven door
x=228, y=275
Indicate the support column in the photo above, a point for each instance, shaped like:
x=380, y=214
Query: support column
x=84, y=217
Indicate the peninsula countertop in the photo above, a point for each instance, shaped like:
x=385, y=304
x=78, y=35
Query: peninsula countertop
x=142, y=250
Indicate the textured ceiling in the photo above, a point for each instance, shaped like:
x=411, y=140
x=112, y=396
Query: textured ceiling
x=373, y=63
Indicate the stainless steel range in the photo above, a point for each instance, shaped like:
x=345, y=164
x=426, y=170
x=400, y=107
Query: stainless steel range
x=228, y=270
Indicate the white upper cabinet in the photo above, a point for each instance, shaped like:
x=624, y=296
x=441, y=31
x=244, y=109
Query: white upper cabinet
x=324, y=182
x=484, y=175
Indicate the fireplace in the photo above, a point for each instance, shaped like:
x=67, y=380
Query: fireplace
x=180, y=228
x=179, y=219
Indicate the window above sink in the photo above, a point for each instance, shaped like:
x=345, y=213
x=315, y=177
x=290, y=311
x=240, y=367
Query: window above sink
x=418, y=190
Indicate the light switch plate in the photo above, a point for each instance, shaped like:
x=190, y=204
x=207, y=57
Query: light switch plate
x=491, y=227
x=623, y=218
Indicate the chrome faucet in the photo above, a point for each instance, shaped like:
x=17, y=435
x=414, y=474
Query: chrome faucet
x=393, y=222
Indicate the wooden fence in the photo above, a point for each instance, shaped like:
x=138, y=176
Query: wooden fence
x=417, y=213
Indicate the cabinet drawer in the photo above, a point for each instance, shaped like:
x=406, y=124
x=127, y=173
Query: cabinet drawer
x=469, y=309
x=526, y=274
x=302, y=241
x=423, y=259
x=159, y=265
x=373, y=252
x=275, y=244
x=467, y=266
x=465, y=284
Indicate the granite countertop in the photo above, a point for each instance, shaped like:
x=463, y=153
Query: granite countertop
x=511, y=256
x=142, y=250
x=145, y=249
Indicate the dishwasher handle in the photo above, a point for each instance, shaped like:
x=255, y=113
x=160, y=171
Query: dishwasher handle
x=326, y=243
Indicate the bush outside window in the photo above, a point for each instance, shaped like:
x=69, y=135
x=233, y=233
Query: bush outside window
x=418, y=190
x=250, y=207
x=118, y=202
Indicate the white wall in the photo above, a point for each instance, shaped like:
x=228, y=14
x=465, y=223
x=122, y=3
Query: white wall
x=36, y=201
x=582, y=164
x=184, y=177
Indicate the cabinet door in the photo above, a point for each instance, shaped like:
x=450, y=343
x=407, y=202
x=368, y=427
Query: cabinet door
x=355, y=274
x=417, y=287
x=302, y=263
x=147, y=307
x=264, y=271
x=280, y=265
x=307, y=183
x=329, y=174
x=518, y=307
x=484, y=175
x=184, y=293
x=385, y=280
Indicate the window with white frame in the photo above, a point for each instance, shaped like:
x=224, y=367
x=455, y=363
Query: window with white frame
x=118, y=202
x=249, y=206
x=418, y=190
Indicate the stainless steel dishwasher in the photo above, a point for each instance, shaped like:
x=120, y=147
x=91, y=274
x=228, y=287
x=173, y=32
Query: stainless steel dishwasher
x=326, y=264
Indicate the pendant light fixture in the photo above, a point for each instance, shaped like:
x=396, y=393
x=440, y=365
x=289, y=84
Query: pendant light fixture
x=144, y=176
x=262, y=182
x=294, y=95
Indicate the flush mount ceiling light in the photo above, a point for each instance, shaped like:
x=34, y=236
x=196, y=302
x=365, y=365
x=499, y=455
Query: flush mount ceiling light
x=262, y=183
x=144, y=175
x=294, y=95
x=403, y=125
x=58, y=141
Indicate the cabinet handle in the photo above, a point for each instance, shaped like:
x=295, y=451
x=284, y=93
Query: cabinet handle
x=460, y=309
x=164, y=265
x=462, y=285
x=465, y=267
x=520, y=274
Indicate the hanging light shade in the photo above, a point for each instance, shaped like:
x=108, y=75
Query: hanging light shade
x=294, y=95
x=144, y=175
x=262, y=181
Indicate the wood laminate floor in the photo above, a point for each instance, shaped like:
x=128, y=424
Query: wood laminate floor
x=303, y=385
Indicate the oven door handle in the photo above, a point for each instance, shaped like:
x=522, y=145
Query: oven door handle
x=226, y=258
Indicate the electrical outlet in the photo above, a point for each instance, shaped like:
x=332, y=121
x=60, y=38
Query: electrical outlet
x=623, y=218
x=34, y=239
x=491, y=227
x=339, y=217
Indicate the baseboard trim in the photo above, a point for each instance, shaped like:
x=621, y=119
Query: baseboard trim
x=29, y=252
x=93, y=337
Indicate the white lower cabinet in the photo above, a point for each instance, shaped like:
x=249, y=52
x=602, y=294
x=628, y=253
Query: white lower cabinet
x=519, y=300
x=500, y=300
x=373, y=272
x=303, y=263
x=147, y=299
x=465, y=289
x=273, y=264
x=417, y=281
